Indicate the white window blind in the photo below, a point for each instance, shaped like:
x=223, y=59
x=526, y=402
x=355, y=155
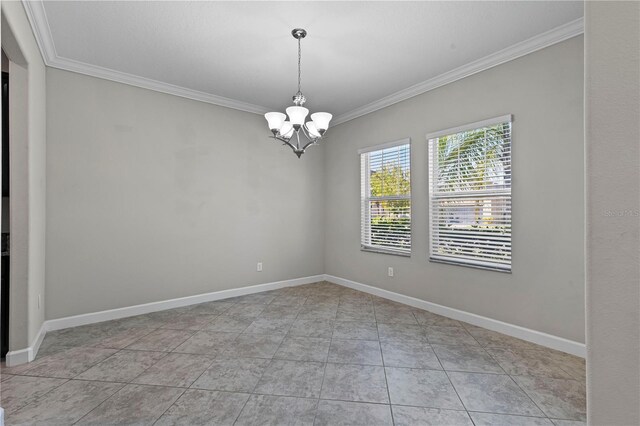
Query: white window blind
x=386, y=198
x=470, y=194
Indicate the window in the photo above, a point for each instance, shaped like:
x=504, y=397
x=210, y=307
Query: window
x=470, y=194
x=386, y=198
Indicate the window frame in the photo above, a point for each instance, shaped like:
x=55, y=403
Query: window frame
x=478, y=264
x=365, y=200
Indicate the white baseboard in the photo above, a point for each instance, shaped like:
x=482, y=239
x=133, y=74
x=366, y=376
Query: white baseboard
x=25, y=355
x=18, y=357
x=129, y=311
x=28, y=354
x=35, y=346
x=540, y=338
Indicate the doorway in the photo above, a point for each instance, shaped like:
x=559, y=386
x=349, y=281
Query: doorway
x=4, y=294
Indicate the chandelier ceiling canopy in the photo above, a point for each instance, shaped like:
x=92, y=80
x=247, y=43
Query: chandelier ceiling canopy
x=288, y=131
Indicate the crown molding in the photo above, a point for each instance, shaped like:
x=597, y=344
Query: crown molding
x=38, y=19
x=540, y=41
x=155, y=85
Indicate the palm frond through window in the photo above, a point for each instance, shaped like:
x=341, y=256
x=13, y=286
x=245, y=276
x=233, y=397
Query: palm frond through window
x=470, y=195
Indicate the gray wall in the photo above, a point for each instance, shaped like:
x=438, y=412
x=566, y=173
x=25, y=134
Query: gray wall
x=612, y=42
x=152, y=197
x=545, y=292
x=28, y=175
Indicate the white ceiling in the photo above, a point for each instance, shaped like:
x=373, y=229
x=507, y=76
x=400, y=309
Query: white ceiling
x=355, y=53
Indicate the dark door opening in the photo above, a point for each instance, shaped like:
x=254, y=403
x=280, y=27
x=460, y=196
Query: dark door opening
x=4, y=295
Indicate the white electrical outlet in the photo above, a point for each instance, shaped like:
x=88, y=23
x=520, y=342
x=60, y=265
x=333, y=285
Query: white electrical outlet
x=38, y=301
x=390, y=271
x=259, y=267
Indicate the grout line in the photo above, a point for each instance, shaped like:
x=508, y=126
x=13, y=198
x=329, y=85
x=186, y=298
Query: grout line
x=315, y=416
x=258, y=381
x=43, y=395
x=94, y=408
x=324, y=373
x=263, y=371
x=214, y=358
x=457, y=394
x=169, y=407
x=505, y=414
x=495, y=360
x=384, y=367
x=453, y=386
x=131, y=383
x=299, y=311
x=397, y=405
x=528, y=396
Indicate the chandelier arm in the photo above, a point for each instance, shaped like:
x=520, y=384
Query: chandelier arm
x=309, y=137
x=304, y=131
x=290, y=146
x=312, y=142
x=298, y=139
x=284, y=141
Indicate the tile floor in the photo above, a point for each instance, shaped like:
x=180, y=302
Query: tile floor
x=314, y=354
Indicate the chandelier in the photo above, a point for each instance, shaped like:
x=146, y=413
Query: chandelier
x=288, y=131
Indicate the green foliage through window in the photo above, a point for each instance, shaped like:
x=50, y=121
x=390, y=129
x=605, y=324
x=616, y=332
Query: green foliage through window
x=386, y=199
x=470, y=196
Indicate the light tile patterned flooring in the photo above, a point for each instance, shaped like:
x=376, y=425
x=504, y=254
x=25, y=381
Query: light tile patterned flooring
x=314, y=354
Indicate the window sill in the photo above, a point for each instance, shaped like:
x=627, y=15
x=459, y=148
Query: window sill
x=383, y=251
x=470, y=265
